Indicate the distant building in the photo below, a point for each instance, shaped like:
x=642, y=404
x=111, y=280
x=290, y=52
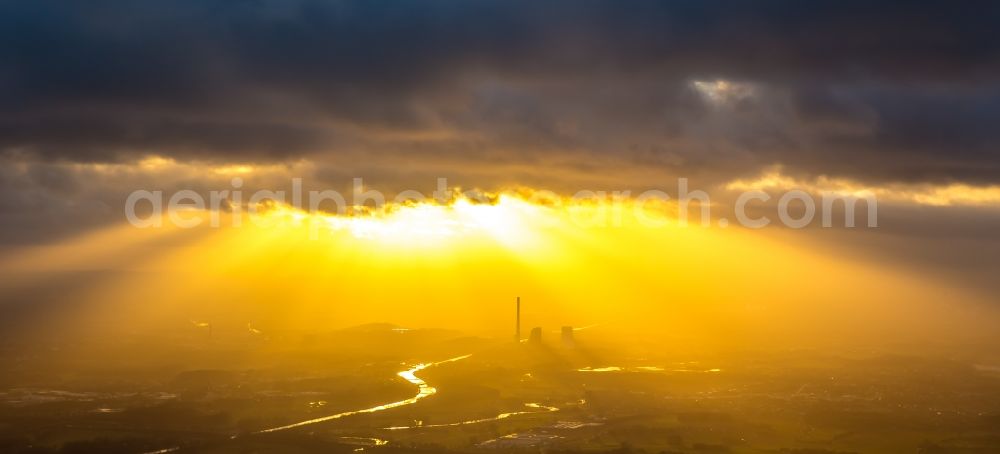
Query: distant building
x=536, y=336
x=567, y=337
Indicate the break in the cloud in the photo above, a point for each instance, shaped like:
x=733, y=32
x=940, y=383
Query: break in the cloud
x=100, y=98
x=562, y=95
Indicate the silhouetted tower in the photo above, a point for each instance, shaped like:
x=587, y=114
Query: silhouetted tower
x=536, y=336
x=517, y=327
x=567, y=337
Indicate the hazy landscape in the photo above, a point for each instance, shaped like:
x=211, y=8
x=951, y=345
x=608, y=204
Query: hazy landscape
x=606, y=393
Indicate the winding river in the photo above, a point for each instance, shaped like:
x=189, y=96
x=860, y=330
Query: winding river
x=423, y=390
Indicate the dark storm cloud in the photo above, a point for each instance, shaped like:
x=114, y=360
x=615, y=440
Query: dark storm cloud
x=873, y=90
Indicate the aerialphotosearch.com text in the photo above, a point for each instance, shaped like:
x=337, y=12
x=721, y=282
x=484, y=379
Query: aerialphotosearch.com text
x=750, y=209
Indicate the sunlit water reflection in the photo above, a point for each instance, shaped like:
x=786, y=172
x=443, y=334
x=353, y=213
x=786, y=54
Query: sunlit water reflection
x=423, y=390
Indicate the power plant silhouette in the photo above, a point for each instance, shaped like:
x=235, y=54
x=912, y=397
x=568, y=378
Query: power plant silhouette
x=535, y=335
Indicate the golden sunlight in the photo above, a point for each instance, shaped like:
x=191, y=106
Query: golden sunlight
x=429, y=264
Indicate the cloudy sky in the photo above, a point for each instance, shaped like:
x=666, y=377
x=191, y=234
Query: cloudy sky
x=886, y=92
x=901, y=99
x=896, y=100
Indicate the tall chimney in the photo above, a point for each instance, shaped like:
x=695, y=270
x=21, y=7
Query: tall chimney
x=517, y=329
